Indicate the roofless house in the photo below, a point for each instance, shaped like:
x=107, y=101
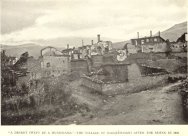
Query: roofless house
x=150, y=43
x=54, y=62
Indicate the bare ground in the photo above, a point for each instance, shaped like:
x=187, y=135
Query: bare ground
x=160, y=105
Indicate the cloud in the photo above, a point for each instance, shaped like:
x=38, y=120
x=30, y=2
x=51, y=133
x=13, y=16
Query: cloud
x=118, y=19
x=20, y=14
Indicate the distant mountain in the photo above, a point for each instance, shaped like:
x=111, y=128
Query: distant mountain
x=72, y=41
x=175, y=31
x=172, y=34
x=119, y=45
x=63, y=41
x=32, y=48
x=35, y=47
x=17, y=50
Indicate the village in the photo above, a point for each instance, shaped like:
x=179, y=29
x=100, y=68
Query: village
x=91, y=75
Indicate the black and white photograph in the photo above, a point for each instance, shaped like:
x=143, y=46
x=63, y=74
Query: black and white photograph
x=94, y=62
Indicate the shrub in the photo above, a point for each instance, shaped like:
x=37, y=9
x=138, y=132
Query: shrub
x=57, y=91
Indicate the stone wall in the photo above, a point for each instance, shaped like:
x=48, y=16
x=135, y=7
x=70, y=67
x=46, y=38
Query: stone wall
x=157, y=47
x=80, y=66
x=92, y=83
x=151, y=71
x=115, y=73
x=55, y=65
x=109, y=59
x=97, y=61
x=134, y=72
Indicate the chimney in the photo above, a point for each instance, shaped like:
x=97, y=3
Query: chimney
x=150, y=33
x=138, y=34
x=91, y=42
x=67, y=46
x=98, y=37
x=159, y=33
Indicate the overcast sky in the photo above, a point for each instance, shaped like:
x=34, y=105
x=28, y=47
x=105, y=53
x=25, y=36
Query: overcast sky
x=27, y=20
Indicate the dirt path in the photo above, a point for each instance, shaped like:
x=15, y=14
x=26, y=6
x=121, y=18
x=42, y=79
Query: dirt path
x=157, y=106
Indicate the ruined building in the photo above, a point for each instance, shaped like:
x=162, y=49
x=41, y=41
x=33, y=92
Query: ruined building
x=180, y=45
x=54, y=63
x=68, y=51
x=101, y=47
x=151, y=43
x=106, y=66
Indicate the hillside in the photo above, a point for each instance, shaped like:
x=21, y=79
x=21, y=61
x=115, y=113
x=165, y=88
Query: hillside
x=32, y=48
x=17, y=50
x=172, y=33
x=175, y=31
x=119, y=45
x=59, y=43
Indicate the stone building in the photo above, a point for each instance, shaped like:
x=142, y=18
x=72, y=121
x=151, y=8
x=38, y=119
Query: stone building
x=76, y=54
x=109, y=58
x=54, y=63
x=131, y=49
x=180, y=45
x=68, y=51
x=101, y=47
x=151, y=43
x=79, y=66
x=177, y=46
x=33, y=67
x=85, y=51
x=108, y=74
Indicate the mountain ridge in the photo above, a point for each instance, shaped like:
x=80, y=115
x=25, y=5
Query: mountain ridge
x=174, y=32
x=33, y=48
